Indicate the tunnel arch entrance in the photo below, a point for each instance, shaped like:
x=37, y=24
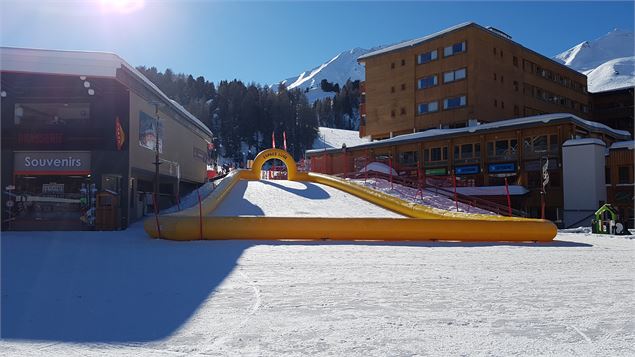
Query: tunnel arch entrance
x=270, y=154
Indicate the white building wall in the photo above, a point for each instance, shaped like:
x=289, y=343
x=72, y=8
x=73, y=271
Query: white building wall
x=583, y=179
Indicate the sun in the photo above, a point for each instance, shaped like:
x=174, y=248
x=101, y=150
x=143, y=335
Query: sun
x=122, y=6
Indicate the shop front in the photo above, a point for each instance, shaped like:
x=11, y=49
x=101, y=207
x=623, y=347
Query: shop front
x=52, y=190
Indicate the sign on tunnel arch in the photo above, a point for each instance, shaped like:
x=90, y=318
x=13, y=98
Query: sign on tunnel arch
x=269, y=154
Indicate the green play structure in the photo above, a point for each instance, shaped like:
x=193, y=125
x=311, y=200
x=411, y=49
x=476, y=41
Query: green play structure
x=607, y=221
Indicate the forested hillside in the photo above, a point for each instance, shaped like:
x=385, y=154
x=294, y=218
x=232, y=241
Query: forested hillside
x=243, y=117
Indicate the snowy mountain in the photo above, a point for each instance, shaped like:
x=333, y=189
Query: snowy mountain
x=608, y=61
x=339, y=69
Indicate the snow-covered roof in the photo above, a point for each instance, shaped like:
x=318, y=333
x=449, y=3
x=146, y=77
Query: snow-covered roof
x=583, y=141
x=630, y=145
x=434, y=134
x=82, y=63
x=415, y=42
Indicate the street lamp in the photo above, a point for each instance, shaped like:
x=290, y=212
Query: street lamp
x=157, y=160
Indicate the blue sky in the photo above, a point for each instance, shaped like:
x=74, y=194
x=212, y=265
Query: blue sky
x=265, y=42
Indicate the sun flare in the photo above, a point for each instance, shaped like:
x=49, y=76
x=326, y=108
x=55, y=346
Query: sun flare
x=122, y=6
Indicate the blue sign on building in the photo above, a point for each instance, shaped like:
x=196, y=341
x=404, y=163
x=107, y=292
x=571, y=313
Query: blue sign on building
x=502, y=167
x=466, y=170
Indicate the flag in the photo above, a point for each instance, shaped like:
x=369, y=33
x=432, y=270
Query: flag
x=120, y=136
x=273, y=139
x=284, y=139
x=545, y=174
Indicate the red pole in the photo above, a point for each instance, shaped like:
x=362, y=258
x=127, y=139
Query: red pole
x=456, y=202
x=156, y=213
x=542, y=204
x=509, y=201
x=200, y=214
x=390, y=164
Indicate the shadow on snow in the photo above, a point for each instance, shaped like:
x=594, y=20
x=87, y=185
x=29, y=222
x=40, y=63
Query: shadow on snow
x=83, y=288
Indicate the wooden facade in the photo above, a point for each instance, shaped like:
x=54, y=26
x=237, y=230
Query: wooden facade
x=497, y=77
x=480, y=156
x=619, y=181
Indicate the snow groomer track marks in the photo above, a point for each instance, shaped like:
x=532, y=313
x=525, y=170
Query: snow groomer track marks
x=316, y=206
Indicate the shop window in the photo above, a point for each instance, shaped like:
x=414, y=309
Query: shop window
x=502, y=148
x=408, y=158
x=623, y=175
x=111, y=183
x=51, y=114
x=427, y=57
x=436, y=154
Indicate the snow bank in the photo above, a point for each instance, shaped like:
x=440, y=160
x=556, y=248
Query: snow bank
x=379, y=167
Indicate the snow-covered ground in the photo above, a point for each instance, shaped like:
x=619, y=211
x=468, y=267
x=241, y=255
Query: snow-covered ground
x=608, y=61
x=329, y=138
x=284, y=198
x=121, y=293
x=428, y=198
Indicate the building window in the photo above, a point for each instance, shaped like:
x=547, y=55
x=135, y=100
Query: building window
x=430, y=107
x=494, y=76
x=403, y=86
x=502, y=149
x=427, y=57
x=436, y=154
x=403, y=111
x=502, y=79
x=392, y=113
x=454, y=49
x=455, y=102
x=502, y=105
x=51, y=114
x=516, y=86
x=392, y=65
x=403, y=62
x=501, y=53
x=623, y=175
x=494, y=51
x=515, y=61
x=467, y=151
x=427, y=82
x=495, y=103
x=408, y=158
x=454, y=75
x=392, y=89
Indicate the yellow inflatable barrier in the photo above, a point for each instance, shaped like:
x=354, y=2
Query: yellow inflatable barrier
x=422, y=223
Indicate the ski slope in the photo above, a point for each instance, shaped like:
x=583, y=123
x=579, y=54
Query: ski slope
x=283, y=198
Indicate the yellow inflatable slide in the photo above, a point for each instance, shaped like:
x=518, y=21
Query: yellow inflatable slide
x=371, y=215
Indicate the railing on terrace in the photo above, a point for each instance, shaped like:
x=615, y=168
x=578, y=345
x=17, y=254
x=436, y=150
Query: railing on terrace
x=436, y=187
